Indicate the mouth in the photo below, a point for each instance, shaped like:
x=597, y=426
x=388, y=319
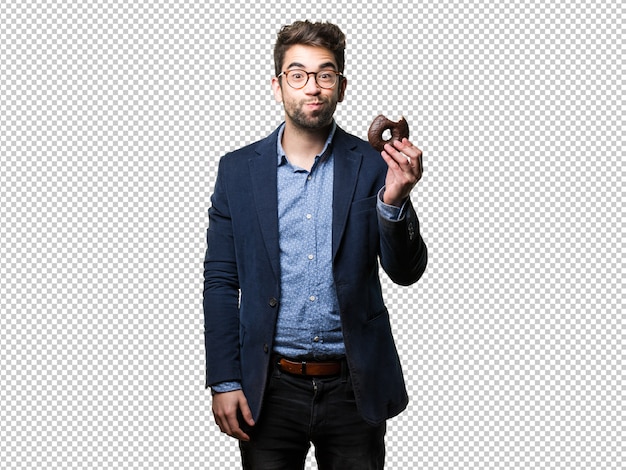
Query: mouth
x=315, y=104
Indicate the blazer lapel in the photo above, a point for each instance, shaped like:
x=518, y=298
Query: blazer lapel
x=262, y=167
x=346, y=171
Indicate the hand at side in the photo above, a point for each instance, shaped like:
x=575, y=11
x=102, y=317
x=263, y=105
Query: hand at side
x=225, y=410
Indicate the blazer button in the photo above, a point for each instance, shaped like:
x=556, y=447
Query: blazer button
x=273, y=302
x=411, y=231
x=265, y=348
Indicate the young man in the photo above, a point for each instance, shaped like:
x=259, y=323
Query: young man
x=298, y=340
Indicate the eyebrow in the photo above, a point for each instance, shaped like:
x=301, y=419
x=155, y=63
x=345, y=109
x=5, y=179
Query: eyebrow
x=325, y=65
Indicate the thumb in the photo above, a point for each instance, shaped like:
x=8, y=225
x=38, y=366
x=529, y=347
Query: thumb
x=245, y=411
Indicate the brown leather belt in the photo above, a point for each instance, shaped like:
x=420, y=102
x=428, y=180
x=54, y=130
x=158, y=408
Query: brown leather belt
x=310, y=368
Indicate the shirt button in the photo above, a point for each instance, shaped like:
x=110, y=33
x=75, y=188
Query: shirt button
x=308, y=178
x=308, y=216
x=312, y=298
x=310, y=256
x=316, y=339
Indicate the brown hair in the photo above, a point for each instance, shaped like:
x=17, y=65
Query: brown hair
x=325, y=35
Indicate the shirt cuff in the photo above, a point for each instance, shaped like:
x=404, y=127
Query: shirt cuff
x=387, y=211
x=224, y=387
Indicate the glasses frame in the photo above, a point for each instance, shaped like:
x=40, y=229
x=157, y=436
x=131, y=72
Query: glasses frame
x=286, y=73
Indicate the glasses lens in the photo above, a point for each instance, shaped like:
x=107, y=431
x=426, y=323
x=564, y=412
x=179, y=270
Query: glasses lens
x=326, y=79
x=297, y=78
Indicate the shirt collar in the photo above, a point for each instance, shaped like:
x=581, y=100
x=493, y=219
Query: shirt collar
x=324, y=154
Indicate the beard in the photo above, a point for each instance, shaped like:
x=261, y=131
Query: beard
x=317, y=119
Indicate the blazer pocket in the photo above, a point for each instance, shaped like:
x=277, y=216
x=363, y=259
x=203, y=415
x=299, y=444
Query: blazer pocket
x=376, y=315
x=363, y=205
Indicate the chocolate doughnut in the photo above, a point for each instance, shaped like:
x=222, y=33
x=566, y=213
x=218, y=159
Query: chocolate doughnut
x=399, y=130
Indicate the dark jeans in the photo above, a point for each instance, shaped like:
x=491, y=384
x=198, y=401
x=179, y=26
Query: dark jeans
x=300, y=410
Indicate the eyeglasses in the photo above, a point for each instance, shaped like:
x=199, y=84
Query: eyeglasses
x=298, y=79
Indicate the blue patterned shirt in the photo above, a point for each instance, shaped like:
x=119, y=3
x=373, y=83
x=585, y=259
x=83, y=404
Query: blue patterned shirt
x=308, y=319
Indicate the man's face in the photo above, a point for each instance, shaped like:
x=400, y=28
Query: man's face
x=311, y=107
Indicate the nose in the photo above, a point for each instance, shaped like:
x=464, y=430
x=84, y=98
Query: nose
x=311, y=86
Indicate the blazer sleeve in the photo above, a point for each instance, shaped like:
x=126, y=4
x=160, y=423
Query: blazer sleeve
x=221, y=290
x=403, y=253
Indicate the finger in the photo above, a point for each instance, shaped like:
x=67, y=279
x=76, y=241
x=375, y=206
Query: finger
x=415, y=155
x=246, y=413
x=222, y=421
x=234, y=429
x=403, y=161
x=391, y=162
x=407, y=148
x=229, y=425
x=222, y=424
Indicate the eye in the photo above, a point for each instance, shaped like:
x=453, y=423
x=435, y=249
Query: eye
x=325, y=75
x=297, y=74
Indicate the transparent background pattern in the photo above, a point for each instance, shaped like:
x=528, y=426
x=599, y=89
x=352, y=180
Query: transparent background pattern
x=113, y=115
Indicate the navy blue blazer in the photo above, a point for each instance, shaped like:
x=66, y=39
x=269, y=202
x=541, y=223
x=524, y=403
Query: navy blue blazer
x=242, y=272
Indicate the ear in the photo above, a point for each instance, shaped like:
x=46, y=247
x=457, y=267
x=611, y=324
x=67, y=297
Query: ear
x=277, y=89
x=342, y=89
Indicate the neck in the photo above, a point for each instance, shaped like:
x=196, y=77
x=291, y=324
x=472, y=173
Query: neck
x=302, y=145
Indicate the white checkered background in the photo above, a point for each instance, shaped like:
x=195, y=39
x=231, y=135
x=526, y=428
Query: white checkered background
x=113, y=116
